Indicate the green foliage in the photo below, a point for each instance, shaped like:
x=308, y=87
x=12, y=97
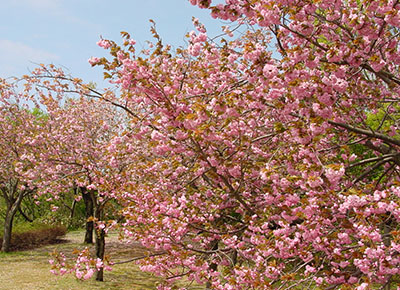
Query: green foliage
x=386, y=117
x=363, y=153
x=40, y=212
x=41, y=116
x=62, y=216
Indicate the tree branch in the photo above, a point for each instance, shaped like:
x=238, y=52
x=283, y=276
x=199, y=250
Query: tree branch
x=368, y=133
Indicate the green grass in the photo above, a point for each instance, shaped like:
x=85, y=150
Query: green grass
x=20, y=227
x=30, y=269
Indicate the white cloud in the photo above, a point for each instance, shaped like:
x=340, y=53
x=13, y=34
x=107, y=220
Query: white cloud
x=16, y=57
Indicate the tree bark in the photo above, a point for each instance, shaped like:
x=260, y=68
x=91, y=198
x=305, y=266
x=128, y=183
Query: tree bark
x=89, y=208
x=12, y=208
x=8, y=222
x=100, y=251
x=71, y=216
x=213, y=266
x=100, y=236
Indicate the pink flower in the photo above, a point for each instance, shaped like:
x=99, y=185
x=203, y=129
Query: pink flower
x=195, y=49
x=88, y=274
x=180, y=135
x=78, y=274
x=319, y=280
x=310, y=269
x=333, y=175
x=314, y=181
x=212, y=161
x=235, y=171
x=202, y=37
x=94, y=60
x=363, y=286
x=104, y=43
x=377, y=66
x=99, y=264
x=270, y=71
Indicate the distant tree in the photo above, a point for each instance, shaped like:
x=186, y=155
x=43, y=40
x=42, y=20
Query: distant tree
x=19, y=131
x=78, y=133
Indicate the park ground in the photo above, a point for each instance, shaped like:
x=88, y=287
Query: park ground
x=30, y=269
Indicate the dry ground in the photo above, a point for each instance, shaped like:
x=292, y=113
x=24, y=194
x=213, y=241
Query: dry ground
x=30, y=270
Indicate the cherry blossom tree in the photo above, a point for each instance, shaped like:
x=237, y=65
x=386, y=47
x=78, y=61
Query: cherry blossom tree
x=19, y=129
x=249, y=161
x=251, y=177
x=78, y=134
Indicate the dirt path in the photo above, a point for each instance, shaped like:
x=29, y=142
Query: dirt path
x=30, y=270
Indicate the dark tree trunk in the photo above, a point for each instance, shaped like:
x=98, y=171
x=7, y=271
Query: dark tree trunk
x=89, y=207
x=73, y=206
x=387, y=227
x=71, y=217
x=213, y=266
x=12, y=208
x=100, y=251
x=100, y=237
x=8, y=223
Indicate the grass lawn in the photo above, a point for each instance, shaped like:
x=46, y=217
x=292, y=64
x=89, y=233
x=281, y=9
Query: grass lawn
x=30, y=269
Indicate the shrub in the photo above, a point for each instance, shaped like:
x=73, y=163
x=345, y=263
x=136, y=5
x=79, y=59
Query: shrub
x=37, y=236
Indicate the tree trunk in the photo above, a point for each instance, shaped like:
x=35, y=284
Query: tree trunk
x=100, y=236
x=71, y=217
x=8, y=223
x=12, y=209
x=387, y=240
x=100, y=251
x=89, y=207
x=213, y=266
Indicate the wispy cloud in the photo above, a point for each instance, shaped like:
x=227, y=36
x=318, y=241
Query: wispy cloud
x=55, y=8
x=17, y=56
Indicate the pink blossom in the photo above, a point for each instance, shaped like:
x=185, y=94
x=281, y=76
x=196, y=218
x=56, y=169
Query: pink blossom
x=235, y=171
x=94, y=60
x=104, y=43
x=334, y=174
x=314, y=181
x=88, y=274
x=78, y=274
x=213, y=161
x=363, y=286
x=99, y=264
x=195, y=49
x=310, y=269
x=270, y=71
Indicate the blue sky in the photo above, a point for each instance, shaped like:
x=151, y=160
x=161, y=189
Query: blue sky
x=65, y=32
